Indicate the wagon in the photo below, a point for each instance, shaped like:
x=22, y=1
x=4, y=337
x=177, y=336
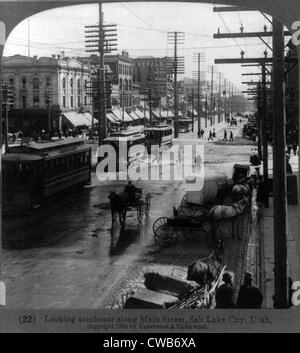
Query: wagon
x=200, y=194
x=139, y=204
x=167, y=231
x=169, y=292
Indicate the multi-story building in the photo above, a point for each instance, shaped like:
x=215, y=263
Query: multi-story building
x=122, y=67
x=45, y=87
x=151, y=74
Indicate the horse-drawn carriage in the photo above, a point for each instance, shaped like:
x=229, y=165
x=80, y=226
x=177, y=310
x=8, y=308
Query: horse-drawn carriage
x=204, y=207
x=195, y=288
x=123, y=203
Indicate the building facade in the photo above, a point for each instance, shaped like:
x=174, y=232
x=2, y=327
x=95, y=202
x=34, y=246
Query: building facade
x=151, y=74
x=43, y=89
x=122, y=67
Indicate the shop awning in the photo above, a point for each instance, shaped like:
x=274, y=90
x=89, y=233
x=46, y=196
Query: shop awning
x=133, y=116
x=79, y=119
x=138, y=113
x=112, y=118
x=119, y=115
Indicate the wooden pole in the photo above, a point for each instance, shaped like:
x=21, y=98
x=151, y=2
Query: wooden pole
x=219, y=100
x=279, y=170
x=212, y=96
x=193, y=110
x=199, y=109
x=1, y=54
x=259, y=121
x=265, y=136
x=225, y=100
x=175, y=88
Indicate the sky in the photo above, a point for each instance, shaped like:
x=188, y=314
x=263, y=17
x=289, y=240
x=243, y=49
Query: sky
x=142, y=31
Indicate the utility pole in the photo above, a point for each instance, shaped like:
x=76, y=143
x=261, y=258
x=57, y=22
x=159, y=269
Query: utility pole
x=176, y=66
x=279, y=167
x=193, y=98
x=219, y=100
x=265, y=136
x=259, y=120
x=102, y=121
x=206, y=110
x=199, y=58
x=1, y=53
x=101, y=39
x=212, y=118
x=225, y=99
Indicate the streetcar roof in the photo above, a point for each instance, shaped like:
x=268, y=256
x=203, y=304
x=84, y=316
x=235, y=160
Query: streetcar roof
x=44, y=147
x=185, y=120
x=158, y=128
x=133, y=137
x=20, y=157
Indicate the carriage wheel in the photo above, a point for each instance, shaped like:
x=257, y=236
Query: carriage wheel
x=140, y=212
x=161, y=232
x=147, y=204
x=187, y=209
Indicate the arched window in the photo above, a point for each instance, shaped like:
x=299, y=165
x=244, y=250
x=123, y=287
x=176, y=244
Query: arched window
x=121, y=84
x=79, y=86
x=64, y=83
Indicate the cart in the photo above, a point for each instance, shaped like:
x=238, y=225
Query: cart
x=200, y=194
x=139, y=204
x=167, y=231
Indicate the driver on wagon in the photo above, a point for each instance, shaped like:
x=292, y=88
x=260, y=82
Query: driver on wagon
x=130, y=190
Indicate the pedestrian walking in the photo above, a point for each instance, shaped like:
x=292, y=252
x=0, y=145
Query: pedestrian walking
x=225, y=293
x=249, y=296
x=214, y=133
x=210, y=137
x=231, y=136
x=225, y=135
x=202, y=133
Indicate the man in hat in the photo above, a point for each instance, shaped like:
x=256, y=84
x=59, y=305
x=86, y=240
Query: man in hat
x=225, y=293
x=249, y=296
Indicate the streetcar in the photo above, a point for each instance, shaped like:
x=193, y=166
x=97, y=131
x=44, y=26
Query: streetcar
x=34, y=171
x=159, y=135
x=131, y=143
x=185, y=125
